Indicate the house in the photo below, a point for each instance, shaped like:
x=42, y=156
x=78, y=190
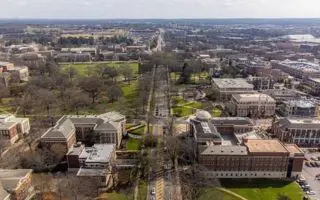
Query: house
x=11, y=128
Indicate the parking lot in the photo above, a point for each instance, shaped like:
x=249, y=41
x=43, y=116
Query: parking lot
x=310, y=172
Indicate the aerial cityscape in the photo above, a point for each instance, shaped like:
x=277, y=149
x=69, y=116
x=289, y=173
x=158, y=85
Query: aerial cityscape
x=153, y=104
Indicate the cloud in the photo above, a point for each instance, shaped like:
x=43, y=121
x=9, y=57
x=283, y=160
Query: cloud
x=158, y=8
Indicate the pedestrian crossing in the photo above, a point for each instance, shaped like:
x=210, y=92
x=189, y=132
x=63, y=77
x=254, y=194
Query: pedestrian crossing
x=159, y=177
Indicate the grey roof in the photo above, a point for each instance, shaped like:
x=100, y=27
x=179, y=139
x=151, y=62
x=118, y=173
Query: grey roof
x=231, y=121
x=253, y=98
x=300, y=122
x=98, y=153
x=64, y=128
x=232, y=83
x=205, y=130
x=225, y=150
x=10, y=178
x=302, y=103
x=6, y=125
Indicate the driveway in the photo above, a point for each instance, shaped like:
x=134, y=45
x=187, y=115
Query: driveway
x=309, y=174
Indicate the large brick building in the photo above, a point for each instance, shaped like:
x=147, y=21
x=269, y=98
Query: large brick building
x=105, y=128
x=225, y=152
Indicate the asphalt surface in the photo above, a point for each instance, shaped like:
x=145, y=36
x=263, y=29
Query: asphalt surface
x=309, y=174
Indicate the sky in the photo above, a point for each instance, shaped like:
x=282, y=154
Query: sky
x=164, y=9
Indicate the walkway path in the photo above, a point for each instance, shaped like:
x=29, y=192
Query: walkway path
x=231, y=193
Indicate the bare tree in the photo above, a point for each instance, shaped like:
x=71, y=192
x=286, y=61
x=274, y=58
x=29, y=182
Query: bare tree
x=46, y=99
x=127, y=72
x=91, y=85
x=114, y=92
x=4, y=92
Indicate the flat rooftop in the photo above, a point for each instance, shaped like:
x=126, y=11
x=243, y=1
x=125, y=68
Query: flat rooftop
x=225, y=83
x=265, y=146
x=253, y=98
x=231, y=121
x=303, y=120
x=293, y=148
x=91, y=172
x=225, y=150
x=317, y=80
x=301, y=103
x=98, y=153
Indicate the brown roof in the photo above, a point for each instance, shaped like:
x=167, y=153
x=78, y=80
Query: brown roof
x=261, y=146
x=293, y=148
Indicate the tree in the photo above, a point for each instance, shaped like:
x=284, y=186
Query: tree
x=185, y=74
x=46, y=98
x=110, y=72
x=127, y=72
x=114, y=92
x=4, y=92
x=92, y=85
x=78, y=101
x=150, y=141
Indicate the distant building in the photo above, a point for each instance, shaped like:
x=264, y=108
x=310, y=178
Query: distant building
x=253, y=105
x=20, y=73
x=105, y=128
x=73, y=57
x=15, y=184
x=314, y=84
x=304, y=132
x=10, y=72
x=299, y=69
x=223, y=153
x=261, y=82
x=226, y=87
x=11, y=128
x=284, y=94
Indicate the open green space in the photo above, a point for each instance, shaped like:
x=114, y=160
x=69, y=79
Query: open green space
x=263, y=189
x=133, y=144
x=90, y=68
x=143, y=190
x=216, y=112
x=212, y=193
x=112, y=196
x=194, y=104
x=6, y=106
x=182, y=111
x=138, y=131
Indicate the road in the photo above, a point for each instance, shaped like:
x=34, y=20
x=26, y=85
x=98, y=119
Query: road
x=309, y=174
x=159, y=120
x=160, y=42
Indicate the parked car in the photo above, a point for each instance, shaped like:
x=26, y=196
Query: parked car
x=311, y=193
x=153, y=191
x=314, y=158
x=308, y=164
x=317, y=164
x=313, y=164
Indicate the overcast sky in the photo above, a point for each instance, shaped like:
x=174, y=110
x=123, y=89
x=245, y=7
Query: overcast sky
x=159, y=8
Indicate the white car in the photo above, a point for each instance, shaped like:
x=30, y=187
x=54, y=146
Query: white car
x=153, y=191
x=311, y=193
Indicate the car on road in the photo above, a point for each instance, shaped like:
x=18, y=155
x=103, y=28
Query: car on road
x=311, y=193
x=152, y=198
x=153, y=191
x=313, y=164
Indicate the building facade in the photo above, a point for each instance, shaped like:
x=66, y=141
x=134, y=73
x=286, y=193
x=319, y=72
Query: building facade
x=11, y=128
x=252, y=105
x=305, y=132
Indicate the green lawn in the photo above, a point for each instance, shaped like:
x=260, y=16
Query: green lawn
x=260, y=189
x=211, y=193
x=143, y=190
x=90, y=68
x=133, y=144
x=138, y=131
x=216, y=112
x=181, y=111
x=194, y=105
x=112, y=196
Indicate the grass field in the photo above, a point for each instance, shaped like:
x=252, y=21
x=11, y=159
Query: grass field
x=216, y=112
x=90, y=68
x=138, y=131
x=181, y=111
x=133, y=144
x=211, y=193
x=263, y=189
x=112, y=196
x=143, y=190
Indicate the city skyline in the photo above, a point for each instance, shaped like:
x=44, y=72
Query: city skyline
x=157, y=9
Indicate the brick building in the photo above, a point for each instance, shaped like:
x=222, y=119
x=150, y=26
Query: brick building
x=15, y=184
x=224, y=152
x=105, y=128
x=11, y=128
